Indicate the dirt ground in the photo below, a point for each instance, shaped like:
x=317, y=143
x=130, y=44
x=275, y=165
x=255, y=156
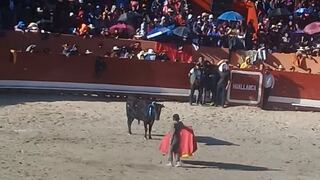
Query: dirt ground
x=85, y=138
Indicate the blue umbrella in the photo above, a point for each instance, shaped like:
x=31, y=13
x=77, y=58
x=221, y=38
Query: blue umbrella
x=230, y=16
x=301, y=10
x=157, y=32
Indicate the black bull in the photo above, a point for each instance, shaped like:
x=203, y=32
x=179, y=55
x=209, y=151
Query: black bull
x=140, y=109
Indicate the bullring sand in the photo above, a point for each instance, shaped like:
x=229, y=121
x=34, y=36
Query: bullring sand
x=85, y=138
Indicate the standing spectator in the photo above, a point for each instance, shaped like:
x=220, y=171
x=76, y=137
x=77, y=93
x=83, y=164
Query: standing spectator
x=189, y=22
x=156, y=8
x=262, y=33
x=195, y=83
x=143, y=28
x=268, y=84
x=196, y=29
x=249, y=35
x=274, y=38
x=223, y=83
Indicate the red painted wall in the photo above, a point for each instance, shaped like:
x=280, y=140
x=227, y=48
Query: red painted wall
x=55, y=67
x=296, y=85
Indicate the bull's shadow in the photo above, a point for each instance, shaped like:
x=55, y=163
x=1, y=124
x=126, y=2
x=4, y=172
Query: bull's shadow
x=225, y=166
x=210, y=141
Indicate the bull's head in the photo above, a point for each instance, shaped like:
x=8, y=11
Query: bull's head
x=158, y=108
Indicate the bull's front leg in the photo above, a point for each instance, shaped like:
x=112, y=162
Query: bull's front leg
x=129, y=122
x=145, y=129
x=150, y=128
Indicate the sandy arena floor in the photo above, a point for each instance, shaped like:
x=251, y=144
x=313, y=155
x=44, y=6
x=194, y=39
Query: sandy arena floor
x=79, y=138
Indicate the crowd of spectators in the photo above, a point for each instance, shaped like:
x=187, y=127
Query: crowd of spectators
x=136, y=18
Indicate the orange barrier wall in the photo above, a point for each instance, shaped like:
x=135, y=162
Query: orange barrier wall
x=59, y=68
x=296, y=85
x=80, y=69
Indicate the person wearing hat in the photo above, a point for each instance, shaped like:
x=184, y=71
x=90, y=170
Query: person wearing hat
x=33, y=27
x=176, y=127
x=280, y=68
x=189, y=21
x=156, y=23
x=268, y=84
x=195, y=75
x=223, y=83
x=170, y=16
x=115, y=52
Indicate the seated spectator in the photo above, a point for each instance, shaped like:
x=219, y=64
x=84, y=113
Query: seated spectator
x=70, y=50
x=87, y=52
x=163, y=22
x=92, y=30
x=150, y=55
x=124, y=53
x=299, y=57
x=280, y=68
x=105, y=32
x=31, y=48
x=246, y=63
x=135, y=48
x=285, y=43
x=156, y=23
x=115, y=53
x=32, y=27
x=316, y=50
x=82, y=30
x=20, y=27
x=162, y=56
x=140, y=55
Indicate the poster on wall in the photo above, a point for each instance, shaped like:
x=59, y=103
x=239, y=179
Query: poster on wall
x=245, y=88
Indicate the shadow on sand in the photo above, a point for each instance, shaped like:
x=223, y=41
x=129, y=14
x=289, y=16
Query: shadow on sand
x=210, y=141
x=225, y=166
x=14, y=97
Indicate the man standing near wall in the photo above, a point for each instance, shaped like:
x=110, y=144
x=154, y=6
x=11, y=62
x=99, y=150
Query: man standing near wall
x=195, y=83
x=223, y=83
x=268, y=84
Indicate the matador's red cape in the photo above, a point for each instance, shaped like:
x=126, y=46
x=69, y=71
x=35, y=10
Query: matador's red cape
x=188, y=143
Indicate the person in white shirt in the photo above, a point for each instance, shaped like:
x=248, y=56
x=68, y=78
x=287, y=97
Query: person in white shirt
x=268, y=84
